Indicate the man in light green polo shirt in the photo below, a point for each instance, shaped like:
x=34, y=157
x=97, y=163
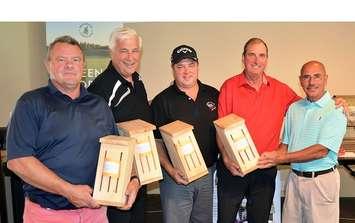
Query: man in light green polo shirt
x=313, y=131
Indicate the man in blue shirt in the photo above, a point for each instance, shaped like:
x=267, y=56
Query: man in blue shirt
x=313, y=132
x=53, y=141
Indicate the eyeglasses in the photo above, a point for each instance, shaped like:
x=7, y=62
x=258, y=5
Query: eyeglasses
x=308, y=77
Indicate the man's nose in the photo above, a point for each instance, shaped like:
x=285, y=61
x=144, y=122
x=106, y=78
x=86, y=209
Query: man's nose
x=69, y=64
x=312, y=79
x=129, y=55
x=186, y=70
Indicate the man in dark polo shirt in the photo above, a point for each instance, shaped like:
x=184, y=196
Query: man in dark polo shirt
x=53, y=141
x=123, y=90
x=195, y=103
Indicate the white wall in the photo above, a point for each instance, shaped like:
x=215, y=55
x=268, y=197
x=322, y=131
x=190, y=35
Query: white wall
x=220, y=46
x=22, y=48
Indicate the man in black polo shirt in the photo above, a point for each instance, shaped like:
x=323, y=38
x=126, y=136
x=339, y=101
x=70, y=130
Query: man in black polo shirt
x=195, y=103
x=120, y=85
x=53, y=141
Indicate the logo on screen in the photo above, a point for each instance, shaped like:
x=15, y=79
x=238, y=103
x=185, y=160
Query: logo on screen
x=86, y=30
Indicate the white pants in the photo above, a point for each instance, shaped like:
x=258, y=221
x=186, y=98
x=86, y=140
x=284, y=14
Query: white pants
x=312, y=200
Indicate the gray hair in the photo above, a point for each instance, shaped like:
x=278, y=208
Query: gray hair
x=63, y=39
x=122, y=33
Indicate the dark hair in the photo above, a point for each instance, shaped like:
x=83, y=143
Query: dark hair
x=63, y=39
x=252, y=41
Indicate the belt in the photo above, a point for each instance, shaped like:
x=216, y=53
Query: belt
x=313, y=174
x=68, y=208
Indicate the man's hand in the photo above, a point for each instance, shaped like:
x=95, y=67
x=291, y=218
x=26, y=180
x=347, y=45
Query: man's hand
x=341, y=102
x=174, y=173
x=232, y=166
x=178, y=176
x=80, y=196
x=131, y=193
x=268, y=159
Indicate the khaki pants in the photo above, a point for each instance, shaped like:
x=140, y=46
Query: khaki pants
x=312, y=200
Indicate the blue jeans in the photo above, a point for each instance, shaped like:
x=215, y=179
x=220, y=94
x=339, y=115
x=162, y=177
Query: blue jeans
x=190, y=203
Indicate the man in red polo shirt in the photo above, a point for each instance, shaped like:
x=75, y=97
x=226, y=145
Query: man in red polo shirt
x=262, y=101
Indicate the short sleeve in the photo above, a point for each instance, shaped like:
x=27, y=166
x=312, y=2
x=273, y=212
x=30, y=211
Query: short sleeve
x=333, y=131
x=22, y=130
x=286, y=128
x=224, y=103
x=159, y=114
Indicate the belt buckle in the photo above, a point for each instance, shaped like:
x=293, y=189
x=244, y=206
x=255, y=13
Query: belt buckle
x=306, y=174
x=309, y=174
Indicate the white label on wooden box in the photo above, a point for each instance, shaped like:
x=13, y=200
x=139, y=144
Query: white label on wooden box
x=143, y=147
x=187, y=149
x=111, y=168
x=241, y=143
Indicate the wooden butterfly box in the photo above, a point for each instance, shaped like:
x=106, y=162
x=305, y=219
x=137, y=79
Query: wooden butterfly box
x=236, y=140
x=113, y=171
x=146, y=158
x=183, y=149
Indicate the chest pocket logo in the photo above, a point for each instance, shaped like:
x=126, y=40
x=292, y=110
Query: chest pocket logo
x=211, y=105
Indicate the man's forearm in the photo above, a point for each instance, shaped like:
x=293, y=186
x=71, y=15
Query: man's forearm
x=221, y=148
x=33, y=172
x=308, y=154
x=163, y=156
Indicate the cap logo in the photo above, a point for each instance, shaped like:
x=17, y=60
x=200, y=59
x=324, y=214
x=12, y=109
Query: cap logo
x=184, y=50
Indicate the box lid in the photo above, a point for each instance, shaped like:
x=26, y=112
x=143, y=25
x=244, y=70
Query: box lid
x=135, y=126
x=229, y=121
x=176, y=128
x=117, y=140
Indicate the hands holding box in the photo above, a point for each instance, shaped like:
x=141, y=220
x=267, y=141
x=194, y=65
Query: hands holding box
x=237, y=142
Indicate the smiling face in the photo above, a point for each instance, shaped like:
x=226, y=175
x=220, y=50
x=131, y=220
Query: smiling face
x=65, y=66
x=255, y=59
x=186, y=73
x=126, y=56
x=313, y=80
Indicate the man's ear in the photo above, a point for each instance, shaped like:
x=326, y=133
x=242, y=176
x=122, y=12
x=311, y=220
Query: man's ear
x=326, y=79
x=110, y=52
x=46, y=64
